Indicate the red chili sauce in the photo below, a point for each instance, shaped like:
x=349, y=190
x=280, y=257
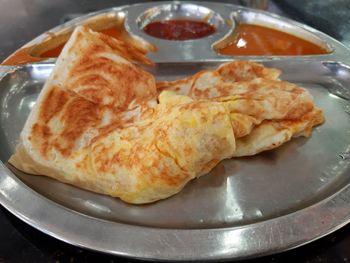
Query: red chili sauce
x=179, y=29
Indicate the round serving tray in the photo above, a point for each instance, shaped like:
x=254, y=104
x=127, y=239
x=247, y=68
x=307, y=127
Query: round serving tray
x=245, y=207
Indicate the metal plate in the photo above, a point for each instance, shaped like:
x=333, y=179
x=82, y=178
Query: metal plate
x=245, y=207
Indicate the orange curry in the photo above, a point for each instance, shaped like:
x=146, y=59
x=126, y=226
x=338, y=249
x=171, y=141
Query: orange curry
x=23, y=55
x=255, y=40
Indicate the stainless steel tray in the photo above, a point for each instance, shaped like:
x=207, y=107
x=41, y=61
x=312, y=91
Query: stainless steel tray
x=245, y=207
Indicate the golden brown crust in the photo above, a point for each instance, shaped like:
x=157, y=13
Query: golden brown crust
x=94, y=126
x=101, y=124
x=235, y=71
x=265, y=111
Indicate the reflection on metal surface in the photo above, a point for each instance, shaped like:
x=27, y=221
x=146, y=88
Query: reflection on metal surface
x=7, y=185
x=345, y=155
x=233, y=211
x=98, y=207
x=231, y=242
x=337, y=88
x=41, y=71
x=347, y=108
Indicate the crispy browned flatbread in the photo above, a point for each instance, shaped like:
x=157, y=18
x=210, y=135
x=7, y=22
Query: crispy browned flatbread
x=103, y=124
x=97, y=125
x=265, y=112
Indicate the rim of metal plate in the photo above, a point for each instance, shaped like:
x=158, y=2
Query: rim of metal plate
x=267, y=237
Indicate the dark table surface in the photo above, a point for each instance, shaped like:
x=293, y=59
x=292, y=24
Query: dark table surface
x=22, y=20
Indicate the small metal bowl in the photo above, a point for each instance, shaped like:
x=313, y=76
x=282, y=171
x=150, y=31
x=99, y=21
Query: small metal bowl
x=175, y=10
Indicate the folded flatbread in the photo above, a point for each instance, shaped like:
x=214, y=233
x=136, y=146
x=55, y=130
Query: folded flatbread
x=103, y=124
x=97, y=125
x=265, y=112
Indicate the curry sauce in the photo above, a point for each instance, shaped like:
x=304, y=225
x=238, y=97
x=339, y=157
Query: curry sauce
x=24, y=55
x=256, y=40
